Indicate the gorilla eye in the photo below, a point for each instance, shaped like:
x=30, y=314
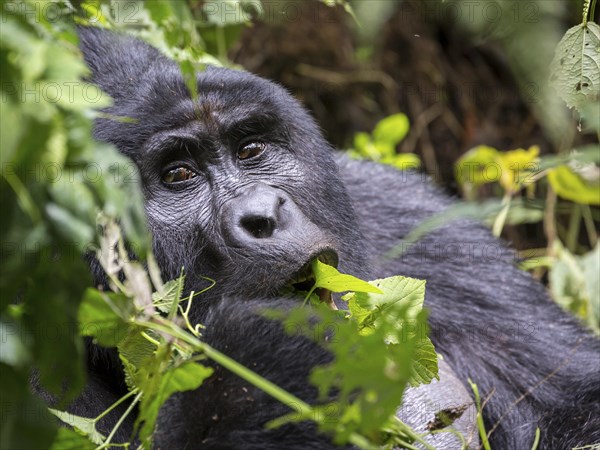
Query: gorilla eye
x=251, y=150
x=178, y=175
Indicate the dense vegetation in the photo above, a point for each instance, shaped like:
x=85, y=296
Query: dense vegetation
x=63, y=194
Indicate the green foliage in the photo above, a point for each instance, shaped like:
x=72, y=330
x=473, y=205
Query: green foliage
x=511, y=169
x=81, y=425
x=369, y=310
x=70, y=439
x=54, y=180
x=573, y=177
x=329, y=278
x=572, y=186
x=101, y=316
x=154, y=367
x=380, y=346
x=516, y=169
x=381, y=144
x=158, y=385
x=576, y=70
x=194, y=37
x=575, y=285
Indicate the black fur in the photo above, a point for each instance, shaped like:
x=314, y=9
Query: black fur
x=491, y=321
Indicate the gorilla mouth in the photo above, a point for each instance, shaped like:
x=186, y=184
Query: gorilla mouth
x=304, y=279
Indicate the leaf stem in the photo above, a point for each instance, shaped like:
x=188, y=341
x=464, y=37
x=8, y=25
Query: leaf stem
x=458, y=434
x=574, y=225
x=480, y=425
x=586, y=10
x=501, y=217
x=411, y=434
x=115, y=404
x=120, y=422
x=309, y=294
x=536, y=440
x=23, y=196
x=589, y=225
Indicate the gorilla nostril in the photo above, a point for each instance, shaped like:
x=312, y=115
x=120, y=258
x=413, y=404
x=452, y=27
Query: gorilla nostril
x=258, y=227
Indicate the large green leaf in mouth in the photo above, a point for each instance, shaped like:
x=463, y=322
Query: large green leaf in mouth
x=327, y=279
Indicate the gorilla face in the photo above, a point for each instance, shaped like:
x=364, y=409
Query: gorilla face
x=240, y=186
x=231, y=178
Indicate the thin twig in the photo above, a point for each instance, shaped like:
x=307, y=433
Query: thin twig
x=563, y=363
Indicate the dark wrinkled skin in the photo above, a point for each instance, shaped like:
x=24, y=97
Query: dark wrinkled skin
x=491, y=321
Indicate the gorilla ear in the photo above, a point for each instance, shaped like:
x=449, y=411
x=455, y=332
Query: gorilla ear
x=117, y=61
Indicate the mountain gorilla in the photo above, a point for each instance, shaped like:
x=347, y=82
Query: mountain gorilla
x=242, y=187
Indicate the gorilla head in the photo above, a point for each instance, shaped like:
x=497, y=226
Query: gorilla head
x=240, y=186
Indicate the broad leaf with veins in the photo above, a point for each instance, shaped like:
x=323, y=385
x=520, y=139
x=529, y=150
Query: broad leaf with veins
x=575, y=70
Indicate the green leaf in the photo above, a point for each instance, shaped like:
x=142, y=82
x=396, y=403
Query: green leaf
x=159, y=10
x=591, y=267
x=381, y=146
x=83, y=424
x=571, y=186
x=329, y=278
x=395, y=291
x=13, y=350
x=401, y=295
x=135, y=352
x=392, y=129
x=188, y=376
x=70, y=439
x=478, y=166
x=361, y=141
x=425, y=363
x=575, y=69
x=102, y=315
x=574, y=284
x=168, y=299
x=77, y=198
x=516, y=167
x=521, y=211
x=484, y=164
x=70, y=228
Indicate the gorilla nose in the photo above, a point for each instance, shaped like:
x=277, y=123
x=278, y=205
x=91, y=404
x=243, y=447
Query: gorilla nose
x=257, y=214
x=259, y=227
